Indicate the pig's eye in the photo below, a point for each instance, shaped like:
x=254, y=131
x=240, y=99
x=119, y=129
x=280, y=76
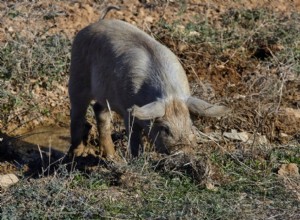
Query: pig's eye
x=165, y=130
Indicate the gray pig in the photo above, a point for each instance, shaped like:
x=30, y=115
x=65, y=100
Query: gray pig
x=115, y=63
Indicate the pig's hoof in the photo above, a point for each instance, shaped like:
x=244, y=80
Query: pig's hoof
x=115, y=159
x=83, y=151
x=79, y=150
x=89, y=151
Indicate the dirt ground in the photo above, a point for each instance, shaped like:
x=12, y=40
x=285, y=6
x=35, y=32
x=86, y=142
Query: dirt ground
x=240, y=83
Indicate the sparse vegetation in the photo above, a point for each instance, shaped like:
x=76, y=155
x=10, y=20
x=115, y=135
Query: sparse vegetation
x=28, y=69
x=246, y=57
x=251, y=190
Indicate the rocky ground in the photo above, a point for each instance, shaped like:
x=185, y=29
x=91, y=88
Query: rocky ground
x=244, y=54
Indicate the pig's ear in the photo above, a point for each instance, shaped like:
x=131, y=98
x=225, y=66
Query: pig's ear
x=202, y=108
x=150, y=111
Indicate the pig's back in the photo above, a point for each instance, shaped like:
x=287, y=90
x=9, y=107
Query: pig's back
x=129, y=66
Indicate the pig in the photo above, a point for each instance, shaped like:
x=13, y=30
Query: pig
x=125, y=70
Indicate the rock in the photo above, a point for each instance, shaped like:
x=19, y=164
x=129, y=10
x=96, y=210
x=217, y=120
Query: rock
x=284, y=138
x=10, y=30
x=8, y=180
x=246, y=137
x=180, y=28
x=259, y=139
x=239, y=136
x=290, y=169
x=293, y=112
x=211, y=187
x=149, y=19
x=182, y=47
x=193, y=33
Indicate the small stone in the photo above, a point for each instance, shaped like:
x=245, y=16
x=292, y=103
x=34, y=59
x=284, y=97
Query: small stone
x=239, y=136
x=290, y=169
x=182, y=47
x=211, y=187
x=180, y=28
x=149, y=19
x=10, y=30
x=8, y=180
x=194, y=33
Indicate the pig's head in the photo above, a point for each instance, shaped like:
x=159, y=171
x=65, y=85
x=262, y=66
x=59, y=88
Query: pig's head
x=171, y=128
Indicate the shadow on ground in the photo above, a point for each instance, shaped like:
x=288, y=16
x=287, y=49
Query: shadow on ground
x=40, y=152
